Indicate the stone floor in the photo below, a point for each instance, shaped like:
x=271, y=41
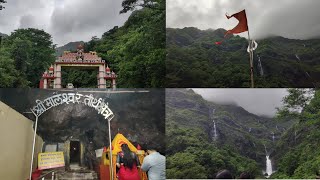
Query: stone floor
x=76, y=173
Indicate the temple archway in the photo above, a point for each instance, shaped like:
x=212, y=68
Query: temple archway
x=52, y=78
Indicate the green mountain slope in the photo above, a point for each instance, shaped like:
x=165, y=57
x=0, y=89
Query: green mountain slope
x=216, y=137
x=194, y=60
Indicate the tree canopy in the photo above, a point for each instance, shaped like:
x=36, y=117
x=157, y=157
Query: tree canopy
x=25, y=55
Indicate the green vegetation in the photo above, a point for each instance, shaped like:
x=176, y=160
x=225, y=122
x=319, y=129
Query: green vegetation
x=194, y=60
x=193, y=152
x=24, y=55
x=298, y=150
x=79, y=77
x=135, y=51
x=190, y=155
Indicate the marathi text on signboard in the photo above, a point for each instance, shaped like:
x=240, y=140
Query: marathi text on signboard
x=50, y=160
x=66, y=98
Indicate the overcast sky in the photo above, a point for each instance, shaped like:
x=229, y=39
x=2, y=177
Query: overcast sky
x=296, y=19
x=65, y=20
x=256, y=101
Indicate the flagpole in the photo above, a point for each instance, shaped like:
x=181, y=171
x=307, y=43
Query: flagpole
x=251, y=59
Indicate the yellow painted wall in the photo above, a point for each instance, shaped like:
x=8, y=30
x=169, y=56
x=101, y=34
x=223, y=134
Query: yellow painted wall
x=16, y=137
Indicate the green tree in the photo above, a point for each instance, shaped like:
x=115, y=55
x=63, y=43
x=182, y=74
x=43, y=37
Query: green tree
x=33, y=52
x=129, y=5
x=295, y=102
x=8, y=73
x=184, y=166
x=136, y=51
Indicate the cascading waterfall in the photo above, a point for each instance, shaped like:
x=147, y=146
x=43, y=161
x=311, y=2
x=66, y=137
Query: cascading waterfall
x=268, y=163
x=215, y=135
x=215, y=130
x=260, y=66
x=272, y=136
x=268, y=166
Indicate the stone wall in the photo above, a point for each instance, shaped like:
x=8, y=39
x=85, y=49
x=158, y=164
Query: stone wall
x=16, y=137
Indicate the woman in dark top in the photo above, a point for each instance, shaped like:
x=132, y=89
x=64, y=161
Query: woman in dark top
x=128, y=162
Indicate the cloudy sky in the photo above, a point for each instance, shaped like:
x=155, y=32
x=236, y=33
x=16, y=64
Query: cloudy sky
x=256, y=101
x=296, y=19
x=65, y=20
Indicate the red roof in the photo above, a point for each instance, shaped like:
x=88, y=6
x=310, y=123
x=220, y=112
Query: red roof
x=107, y=69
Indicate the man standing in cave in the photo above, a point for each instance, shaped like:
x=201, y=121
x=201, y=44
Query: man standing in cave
x=155, y=164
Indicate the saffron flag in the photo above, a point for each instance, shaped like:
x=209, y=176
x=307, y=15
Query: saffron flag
x=242, y=25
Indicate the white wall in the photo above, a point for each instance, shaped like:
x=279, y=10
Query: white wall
x=16, y=137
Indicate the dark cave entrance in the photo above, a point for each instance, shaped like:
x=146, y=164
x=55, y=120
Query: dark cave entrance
x=75, y=152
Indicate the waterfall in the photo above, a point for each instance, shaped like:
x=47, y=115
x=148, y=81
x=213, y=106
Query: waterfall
x=297, y=57
x=215, y=130
x=268, y=163
x=260, y=66
x=249, y=130
x=265, y=148
x=215, y=135
x=268, y=166
x=272, y=136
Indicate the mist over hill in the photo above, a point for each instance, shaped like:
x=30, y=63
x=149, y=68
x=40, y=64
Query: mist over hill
x=217, y=136
x=194, y=60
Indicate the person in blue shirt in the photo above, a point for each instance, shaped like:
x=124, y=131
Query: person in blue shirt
x=155, y=164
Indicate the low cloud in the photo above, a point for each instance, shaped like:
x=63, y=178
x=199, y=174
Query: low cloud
x=65, y=20
x=294, y=19
x=257, y=101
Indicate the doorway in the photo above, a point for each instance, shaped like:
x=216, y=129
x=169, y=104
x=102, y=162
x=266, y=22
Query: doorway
x=75, y=152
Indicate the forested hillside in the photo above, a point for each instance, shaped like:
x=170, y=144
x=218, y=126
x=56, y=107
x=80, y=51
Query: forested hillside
x=136, y=51
x=204, y=137
x=194, y=60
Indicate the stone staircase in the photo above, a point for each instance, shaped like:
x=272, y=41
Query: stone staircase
x=76, y=173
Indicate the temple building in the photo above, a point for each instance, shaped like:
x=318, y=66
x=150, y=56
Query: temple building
x=51, y=78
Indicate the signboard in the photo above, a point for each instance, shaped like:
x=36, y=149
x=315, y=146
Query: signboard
x=50, y=160
x=99, y=60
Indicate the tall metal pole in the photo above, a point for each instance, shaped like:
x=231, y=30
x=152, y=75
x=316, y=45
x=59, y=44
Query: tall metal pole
x=33, y=144
x=110, y=147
